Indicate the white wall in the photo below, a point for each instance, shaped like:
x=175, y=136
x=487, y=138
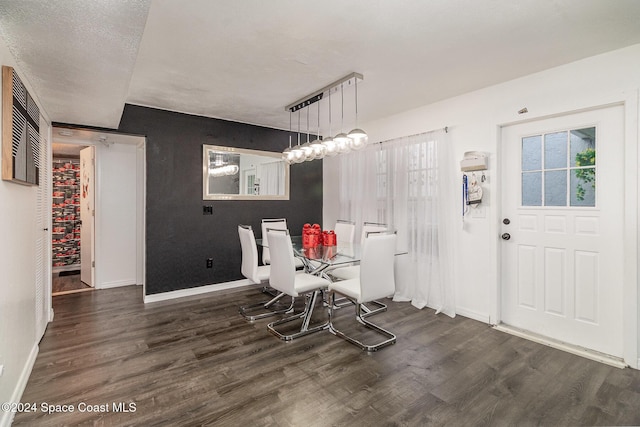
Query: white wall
x=474, y=120
x=116, y=203
x=18, y=341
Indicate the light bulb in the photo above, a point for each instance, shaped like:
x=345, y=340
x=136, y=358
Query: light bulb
x=359, y=138
x=331, y=147
x=298, y=154
x=287, y=156
x=319, y=149
x=309, y=152
x=343, y=143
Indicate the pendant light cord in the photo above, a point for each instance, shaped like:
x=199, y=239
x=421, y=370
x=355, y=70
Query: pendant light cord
x=329, y=113
x=289, y=129
x=356, y=82
x=318, y=121
x=307, y=124
x=298, y=128
x=342, y=107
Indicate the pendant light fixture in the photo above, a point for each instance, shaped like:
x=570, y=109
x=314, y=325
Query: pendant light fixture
x=341, y=143
x=221, y=167
x=357, y=135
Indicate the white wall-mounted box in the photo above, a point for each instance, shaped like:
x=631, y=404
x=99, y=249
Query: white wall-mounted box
x=473, y=161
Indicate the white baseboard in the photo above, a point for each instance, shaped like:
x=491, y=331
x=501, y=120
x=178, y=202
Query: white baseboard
x=569, y=348
x=6, y=417
x=181, y=293
x=471, y=314
x=116, y=284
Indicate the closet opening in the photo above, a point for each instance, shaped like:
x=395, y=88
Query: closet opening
x=70, y=241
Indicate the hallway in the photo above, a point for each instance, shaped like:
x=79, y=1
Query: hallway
x=67, y=282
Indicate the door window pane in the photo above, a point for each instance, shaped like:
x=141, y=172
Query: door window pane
x=532, y=153
x=583, y=187
x=555, y=150
x=559, y=168
x=583, y=147
x=555, y=188
x=532, y=189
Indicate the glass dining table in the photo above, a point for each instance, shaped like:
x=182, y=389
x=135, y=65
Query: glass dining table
x=320, y=260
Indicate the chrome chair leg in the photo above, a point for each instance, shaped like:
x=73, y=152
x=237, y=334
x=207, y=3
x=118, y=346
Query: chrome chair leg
x=270, y=291
x=369, y=312
x=344, y=302
x=248, y=311
x=360, y=317
x=305, y=317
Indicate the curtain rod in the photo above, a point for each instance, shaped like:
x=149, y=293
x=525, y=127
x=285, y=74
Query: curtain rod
x=445, y=129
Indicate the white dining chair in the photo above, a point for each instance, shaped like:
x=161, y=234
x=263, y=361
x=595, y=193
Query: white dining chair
x=284, y=278
x=345, y=231
x=274, y=224
x=369, y=227
x=353, y=271
x=376, y=280
x=257, y=274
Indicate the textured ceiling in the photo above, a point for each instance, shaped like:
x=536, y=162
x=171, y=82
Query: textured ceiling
x=79, y=55
x=246, y=60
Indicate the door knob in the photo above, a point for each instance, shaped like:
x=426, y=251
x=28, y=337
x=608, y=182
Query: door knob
x=506, y=236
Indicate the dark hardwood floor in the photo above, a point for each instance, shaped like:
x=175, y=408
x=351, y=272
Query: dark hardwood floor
x=67, y=282
x=196, y=361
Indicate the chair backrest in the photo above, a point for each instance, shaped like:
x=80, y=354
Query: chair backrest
x=376, y=266
x=283, y=268
x=345, y=231
x=275, y=224
x=249, y=266
x=369, y=227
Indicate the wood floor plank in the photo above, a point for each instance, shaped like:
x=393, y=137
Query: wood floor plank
x=196, y=361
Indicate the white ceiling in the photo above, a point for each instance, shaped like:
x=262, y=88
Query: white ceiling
x=246, y=60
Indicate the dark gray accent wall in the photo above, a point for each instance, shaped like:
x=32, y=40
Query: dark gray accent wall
x=179, y=238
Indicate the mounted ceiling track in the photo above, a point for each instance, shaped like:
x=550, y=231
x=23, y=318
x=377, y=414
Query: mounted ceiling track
x=325, y=91
x=341, y=143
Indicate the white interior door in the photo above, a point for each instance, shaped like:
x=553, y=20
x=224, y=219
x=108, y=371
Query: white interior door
x=563, y=206
x=43, y=234
x=87, y=215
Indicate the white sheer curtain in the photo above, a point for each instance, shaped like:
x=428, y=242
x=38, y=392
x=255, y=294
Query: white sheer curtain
x=271, y=178
x=408, y=184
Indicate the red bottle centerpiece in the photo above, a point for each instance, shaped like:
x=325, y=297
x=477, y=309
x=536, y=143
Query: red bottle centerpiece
x=329, y=238
x=311, y=235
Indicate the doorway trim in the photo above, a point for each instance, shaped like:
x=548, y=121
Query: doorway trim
x=87, y=136
x=631, y=232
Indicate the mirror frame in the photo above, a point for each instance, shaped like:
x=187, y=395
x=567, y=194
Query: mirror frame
x=232, y=150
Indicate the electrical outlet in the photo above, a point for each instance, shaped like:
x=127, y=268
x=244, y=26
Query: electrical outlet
x=209, y=262
x=207, y=210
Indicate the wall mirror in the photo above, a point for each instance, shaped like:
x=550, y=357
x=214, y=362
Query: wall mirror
x=230, y=173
